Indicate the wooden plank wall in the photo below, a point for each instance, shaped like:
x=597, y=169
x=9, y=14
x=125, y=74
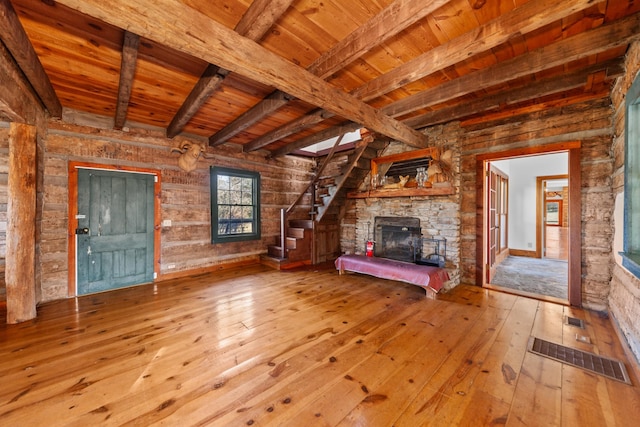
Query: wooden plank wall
x=185, y=196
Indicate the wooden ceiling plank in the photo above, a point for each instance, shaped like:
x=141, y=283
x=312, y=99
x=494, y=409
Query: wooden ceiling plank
x=549, y=86
x=529, y=17
x=15, y=39
x=256, y=21
x=266, y=106
x=127, y=73
x=287, y=129
x=522, y=20
x=582, y=45
x=392, y=20
x=328, y=133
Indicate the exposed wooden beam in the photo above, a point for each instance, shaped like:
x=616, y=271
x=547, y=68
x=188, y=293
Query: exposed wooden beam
x=551, y=85
x=18, y=102
x=208, y=83
x=256, y=21
x=392, y=20
x=260, y=17
x=389, y=22
x=287, y=129
x=582, y=45
x=202, y=37
x=521, y=20
x=266, y=106
x=526, y=18
x=127, y=72
x=17, y=42
x=575, y=96
x=328, y=133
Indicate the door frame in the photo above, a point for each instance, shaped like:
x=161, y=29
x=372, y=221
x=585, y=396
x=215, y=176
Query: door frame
x=575, y=211
x=541, y=215
x=72, y=222
x=501, y=209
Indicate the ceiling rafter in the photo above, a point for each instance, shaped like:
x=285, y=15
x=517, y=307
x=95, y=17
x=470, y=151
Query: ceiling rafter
x=521, y=20
x=581, y=45
x=317, y=116
x=390, y=21
x=204, y=38
x=15, y=39
x=529, y=92
x=256, y=21
x=127, y=73
x=529, y=17
x=323, y=135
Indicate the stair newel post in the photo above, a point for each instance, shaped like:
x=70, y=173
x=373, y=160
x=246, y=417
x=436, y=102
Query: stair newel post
x=283, y=231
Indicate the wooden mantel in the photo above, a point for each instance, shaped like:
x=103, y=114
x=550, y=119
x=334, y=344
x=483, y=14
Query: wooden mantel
x=404, y=192
x=440, y=189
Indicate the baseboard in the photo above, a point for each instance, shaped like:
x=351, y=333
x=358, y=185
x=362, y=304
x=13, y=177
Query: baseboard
x=522, y=252
x=211, y=269
x=631, y=357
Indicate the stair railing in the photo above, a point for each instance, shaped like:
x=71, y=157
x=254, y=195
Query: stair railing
x=284, y=213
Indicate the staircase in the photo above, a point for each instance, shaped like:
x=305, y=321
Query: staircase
x=341, y=174
x=298, y=246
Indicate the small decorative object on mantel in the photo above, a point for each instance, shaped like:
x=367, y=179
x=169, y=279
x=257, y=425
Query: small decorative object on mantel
x=421, y=177
x=397, y=185
x=440, y=168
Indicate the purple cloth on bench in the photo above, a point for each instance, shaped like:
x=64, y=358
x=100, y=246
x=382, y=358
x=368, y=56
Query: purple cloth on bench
x=421, y=275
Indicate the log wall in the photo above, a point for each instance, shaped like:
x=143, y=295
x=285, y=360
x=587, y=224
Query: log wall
x=185, y=200
x=589, y=123
x=624, y=297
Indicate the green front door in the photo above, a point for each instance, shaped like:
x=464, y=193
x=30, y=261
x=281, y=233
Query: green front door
x=115, y=230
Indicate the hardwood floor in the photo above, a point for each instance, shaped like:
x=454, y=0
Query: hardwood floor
x=301, y=348
x=557, y=242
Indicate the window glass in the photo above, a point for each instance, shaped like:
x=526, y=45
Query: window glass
x=235, y=205
x=631, y=254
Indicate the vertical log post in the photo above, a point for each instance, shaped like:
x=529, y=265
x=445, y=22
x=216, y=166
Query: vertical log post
x=21, y=224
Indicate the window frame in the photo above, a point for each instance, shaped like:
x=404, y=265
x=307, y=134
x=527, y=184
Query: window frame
x=631, y=248
x=216, y=237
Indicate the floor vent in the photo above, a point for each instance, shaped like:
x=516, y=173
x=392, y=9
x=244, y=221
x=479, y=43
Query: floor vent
x=609, y=368
x=574, y=321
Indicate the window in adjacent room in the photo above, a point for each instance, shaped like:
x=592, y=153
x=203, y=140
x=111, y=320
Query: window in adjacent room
x=631, y=254
x=235, y=205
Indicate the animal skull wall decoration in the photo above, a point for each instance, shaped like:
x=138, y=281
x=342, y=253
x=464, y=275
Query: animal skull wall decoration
x=190, y=153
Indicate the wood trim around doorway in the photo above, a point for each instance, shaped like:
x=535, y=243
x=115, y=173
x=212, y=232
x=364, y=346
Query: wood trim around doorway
x=73, y=211
x=575, y=201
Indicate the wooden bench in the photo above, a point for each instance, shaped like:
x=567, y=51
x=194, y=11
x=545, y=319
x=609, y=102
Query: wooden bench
x=432, y=279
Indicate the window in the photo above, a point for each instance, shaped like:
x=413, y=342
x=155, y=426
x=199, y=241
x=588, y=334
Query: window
x=235, y=205
x=631, y=254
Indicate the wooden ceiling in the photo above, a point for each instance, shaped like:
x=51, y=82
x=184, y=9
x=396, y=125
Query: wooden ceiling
x=283, y=74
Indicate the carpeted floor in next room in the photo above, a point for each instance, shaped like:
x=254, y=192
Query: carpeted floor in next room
x=539, y=276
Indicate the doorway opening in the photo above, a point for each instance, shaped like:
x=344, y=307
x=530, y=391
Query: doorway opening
x=529, y=242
